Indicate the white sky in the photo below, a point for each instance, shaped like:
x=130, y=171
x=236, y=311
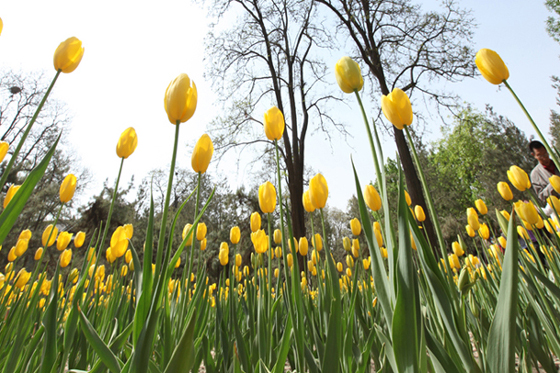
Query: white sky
x=133, y=51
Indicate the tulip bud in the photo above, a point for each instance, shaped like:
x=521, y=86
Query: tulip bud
x=63, y=241
x=50, y=234
x=255, y=221
x=348, y=75
x=224, y=257
x=505, y=191
x=238, y=260
x=355, y=226
x=379, y=237
x=518, y=178
x=38, y=254
x=267, y=197
x=12, y=254
x=65, y=258
x=339, y=267
x=346, y=244
x=307, y=204
x=203, y=244
x=119, y=242
x=457, y=249
x=491, y=66
x=235, y=235
x=4, y=146
x=274, y=124
x=317, y=242
x=22, y=278
x=355, y=247
x=372, y=198
x=278, y=252
x=180, y=99
x=202, y=154
x=10, y=194
x=396, y=108
x=186, y=230
x=201, y=231
x=260, y=241
x=127, y=143
x=79, y=239
x=484, y=231
x=502, y=241
x=481, y=206
x=68, y=55
x=472, y=218
x=419, y=213
x=67, y=188
x=277, y=236
x=318, y=191
x=303, y=246
x=21, y=246
x=554, y=203
x=554, y=180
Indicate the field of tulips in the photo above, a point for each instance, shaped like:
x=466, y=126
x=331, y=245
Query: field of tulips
x=486, y=303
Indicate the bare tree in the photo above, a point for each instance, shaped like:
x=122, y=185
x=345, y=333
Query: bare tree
x=270, y=56
x=405, y=47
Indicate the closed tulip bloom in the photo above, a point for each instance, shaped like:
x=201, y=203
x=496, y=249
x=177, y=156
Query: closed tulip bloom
x=267, y=197
x=273, y=124
x=457, y=249
x=554, y=202
x=38, y=253
x=396, y=108
x=201, y=231
x=186, y=230
x=235, y=235
x=472, y=218
x=278, y=252
x=290, y=260
x=180, y=99
x=505, y=191
x=238, y=260
x=470, y=230
x=128, y=256
x=277, y=236
x=518, y=178
x=12, y=254
x=484, y=231
x=1, y=25
x=21, y=246
x=260, y=241
x=303, y=246
x=127, y=143
x=255, y=221
x=347, y=244
x=491, y=66
x=4, y=146
x=67, y=188
x=419, y=213
x=79, y=239
x=22, y=278
x=124, y=270
x=355, y=226
x=203, y=244
x=110, y=256
x=355, y=247
x=554, y=180
x=63, y=241
x=223, y=254
x=372, y=198
x=202, y=154
x=318, y=191
x=378, y=237
x=317, y=242
x=348, y=75
x=68, y=55
x=46, y=233
x=307, y=204
x=505, y=214
x=10, y=194
x=65, y=258
x=481, y=206
x=527, y=212
x=119, y=242
x=295, y=246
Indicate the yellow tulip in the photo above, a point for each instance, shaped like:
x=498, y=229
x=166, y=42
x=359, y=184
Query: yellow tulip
x=372, y=198
x=12, y=190
x=339, y=267
x=38, y=253
x=317, y=242
x=527, y=212
x=554, y=203
x=180, y=99
x=481, y=206
x=129, y=230
x=348, y=75
x=502, y=241
x=260, y=241
x=124, y=270
x=267, y=197
x=255, y=221
x=491, y=66
x=12, y=254
x=238, y=260
x=366, y=263
x=235, y=235
x=79, y=239
x=505, y=214
x=119, y=242
x=4, y=146
x=349, y=261
x=554, y=180
x=201, y=231
x=278, y=252
x=457, y=249
x=484, y=231
x=378, y=237
x=224, y=254
x=407, y=198
x=519, y=178
x=63, y=241
x=355, y=226
x=419, y=213
x=347, y=244
x=303, y=246
x=307, y=204
x=68, y=55
x=178, y=263
x=318, y=191
x=22, y=278
x=505, y=191
x=295, y=246
x=110, y=256
x=186, y=230
x=203, y=244
x=1, y=27
x=47, y=233
x=355, y=247
x=396, y=108
x=472, y=218
x=127, y=143
x=21, y=246
x=274, y=124
x=202, y=154
x=67, y=188
x=65, y=258
x=290, y=260
x=128, y=256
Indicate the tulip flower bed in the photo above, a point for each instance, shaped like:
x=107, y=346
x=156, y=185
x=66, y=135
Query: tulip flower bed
x=403, y=304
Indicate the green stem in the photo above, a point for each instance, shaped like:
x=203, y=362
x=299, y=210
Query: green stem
x=370, y=137
x=26, y=133
x=194, y=234
x=163, y=228
x=552, y=153
x=281, y=208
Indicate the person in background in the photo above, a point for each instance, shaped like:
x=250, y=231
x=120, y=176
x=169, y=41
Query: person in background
x=542, y=171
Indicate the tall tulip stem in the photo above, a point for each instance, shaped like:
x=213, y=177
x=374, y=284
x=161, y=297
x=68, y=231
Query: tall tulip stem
x=26, y=133
x=191, y=257
x=280, y=199
x=372, y=146
x=552, y=153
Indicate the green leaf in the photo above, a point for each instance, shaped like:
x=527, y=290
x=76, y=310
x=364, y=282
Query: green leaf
x=16, y=205
x=182, y=359
x=50, y=324
x=95, y=341
x=284, y=348
x=501, y=339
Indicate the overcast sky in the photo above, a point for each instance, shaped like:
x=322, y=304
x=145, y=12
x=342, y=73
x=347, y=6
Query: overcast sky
x=133, y=51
